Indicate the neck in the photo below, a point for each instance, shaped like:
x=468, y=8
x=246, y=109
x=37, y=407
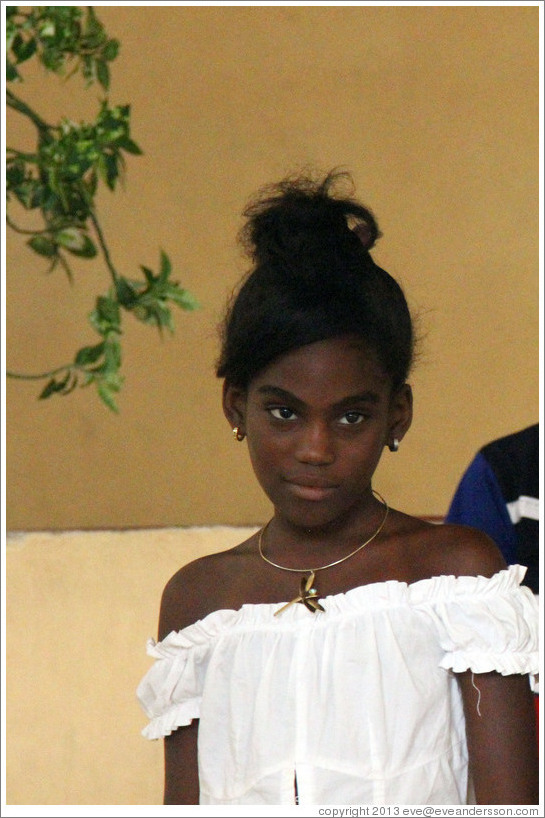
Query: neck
x=298, y=547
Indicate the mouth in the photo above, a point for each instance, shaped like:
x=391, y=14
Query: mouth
x=311, y=489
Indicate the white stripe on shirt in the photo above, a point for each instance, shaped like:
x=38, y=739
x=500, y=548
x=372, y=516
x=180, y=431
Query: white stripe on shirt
x=523, y=507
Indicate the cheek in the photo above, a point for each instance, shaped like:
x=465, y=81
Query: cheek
x=270, y=455
x=359, y=462
x=263, y=453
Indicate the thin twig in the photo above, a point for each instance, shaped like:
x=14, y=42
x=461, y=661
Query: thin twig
x=17, y=104
x=43, y=375
x=17, y=229
x=104, y=248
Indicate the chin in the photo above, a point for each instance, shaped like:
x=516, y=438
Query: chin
x=310, y=515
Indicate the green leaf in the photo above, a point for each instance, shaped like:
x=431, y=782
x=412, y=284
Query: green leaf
x=62, y=385
x=114, y=380
x=126, y=294
x=107, y=386
x=30, y=193
x=108, y=309
x=183, y=299
x=55, y=386
x=103, y=74
x=165, y=268
x=92, y=183
x=86, y=377
x=150, y=278
x=106, y=395
x=111, y=50
x=88, y=250
x=107, y=166
x=77, y=242
x=23, y=50
x=93, y=26
x=159, y=314
x=129, y=145
x=48, y=29
x=141, y=313
x=43, y=246
x=88, y=355
x=16, y=44
x=15, y=174
x=105, y=317
x=112, y=360
x=49, y=389
x=11, y=72
x=71, y=238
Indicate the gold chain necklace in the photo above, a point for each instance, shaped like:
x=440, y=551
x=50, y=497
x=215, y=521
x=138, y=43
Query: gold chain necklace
x=308, y=595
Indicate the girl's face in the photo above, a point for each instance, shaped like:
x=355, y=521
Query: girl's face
x=317, y=420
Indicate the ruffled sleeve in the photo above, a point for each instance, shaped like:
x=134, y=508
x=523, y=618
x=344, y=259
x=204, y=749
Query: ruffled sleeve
x=488, y=624
x=171, y=691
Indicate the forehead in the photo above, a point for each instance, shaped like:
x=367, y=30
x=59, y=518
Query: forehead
x=333, y=369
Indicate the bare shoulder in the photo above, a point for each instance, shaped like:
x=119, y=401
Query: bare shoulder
x=461, y=550
x=198, y=588
x=429, y=549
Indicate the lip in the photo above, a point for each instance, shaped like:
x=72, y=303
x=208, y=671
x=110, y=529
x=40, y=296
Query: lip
x=311, y=489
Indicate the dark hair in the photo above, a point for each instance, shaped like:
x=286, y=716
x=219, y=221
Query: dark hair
x=313, y=278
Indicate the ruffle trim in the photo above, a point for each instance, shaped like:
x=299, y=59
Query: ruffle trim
x=424, y=592
x=179, y=715
x=198, y=634
x=507, y=664
x=365, y=597
x=445, y=588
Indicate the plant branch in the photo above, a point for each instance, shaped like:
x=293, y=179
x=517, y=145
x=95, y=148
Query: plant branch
x=18, y=105
x=30, y=157
x=43, y=375
x=104, y=248
x=17, y=229
x=60, y=181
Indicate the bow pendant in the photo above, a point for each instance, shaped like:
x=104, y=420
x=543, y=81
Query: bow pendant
x=308, y=595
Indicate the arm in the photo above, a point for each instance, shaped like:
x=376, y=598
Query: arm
x=180, y=747
x=503, y=750
x=499, y=710
x=181, y=768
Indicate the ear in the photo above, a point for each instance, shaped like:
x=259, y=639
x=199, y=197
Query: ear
x=401, y=414
x=234, y=405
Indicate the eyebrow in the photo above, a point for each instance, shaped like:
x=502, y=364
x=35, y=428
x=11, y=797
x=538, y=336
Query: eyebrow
x=284, y=395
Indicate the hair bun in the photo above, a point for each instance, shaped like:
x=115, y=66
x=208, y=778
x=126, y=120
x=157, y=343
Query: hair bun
x=365, y=234
x=313, y=278
x=296, y=224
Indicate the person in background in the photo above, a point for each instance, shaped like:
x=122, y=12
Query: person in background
x=499, y=494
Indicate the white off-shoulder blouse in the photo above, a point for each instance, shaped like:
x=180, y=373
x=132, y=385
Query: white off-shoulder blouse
x=357, y=705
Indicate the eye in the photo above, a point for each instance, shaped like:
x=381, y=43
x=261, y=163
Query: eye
x=352, y=418
x=282, y=413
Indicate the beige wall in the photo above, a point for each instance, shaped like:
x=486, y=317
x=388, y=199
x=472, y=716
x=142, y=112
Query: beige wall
x=80, y=607
x=434, y=111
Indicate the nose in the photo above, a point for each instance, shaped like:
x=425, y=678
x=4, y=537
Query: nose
x=315, y=445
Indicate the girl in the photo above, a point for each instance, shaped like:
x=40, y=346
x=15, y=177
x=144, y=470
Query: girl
x=347, y=653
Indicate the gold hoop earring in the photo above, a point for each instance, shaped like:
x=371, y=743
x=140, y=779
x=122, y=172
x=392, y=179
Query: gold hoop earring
x=237, y=434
